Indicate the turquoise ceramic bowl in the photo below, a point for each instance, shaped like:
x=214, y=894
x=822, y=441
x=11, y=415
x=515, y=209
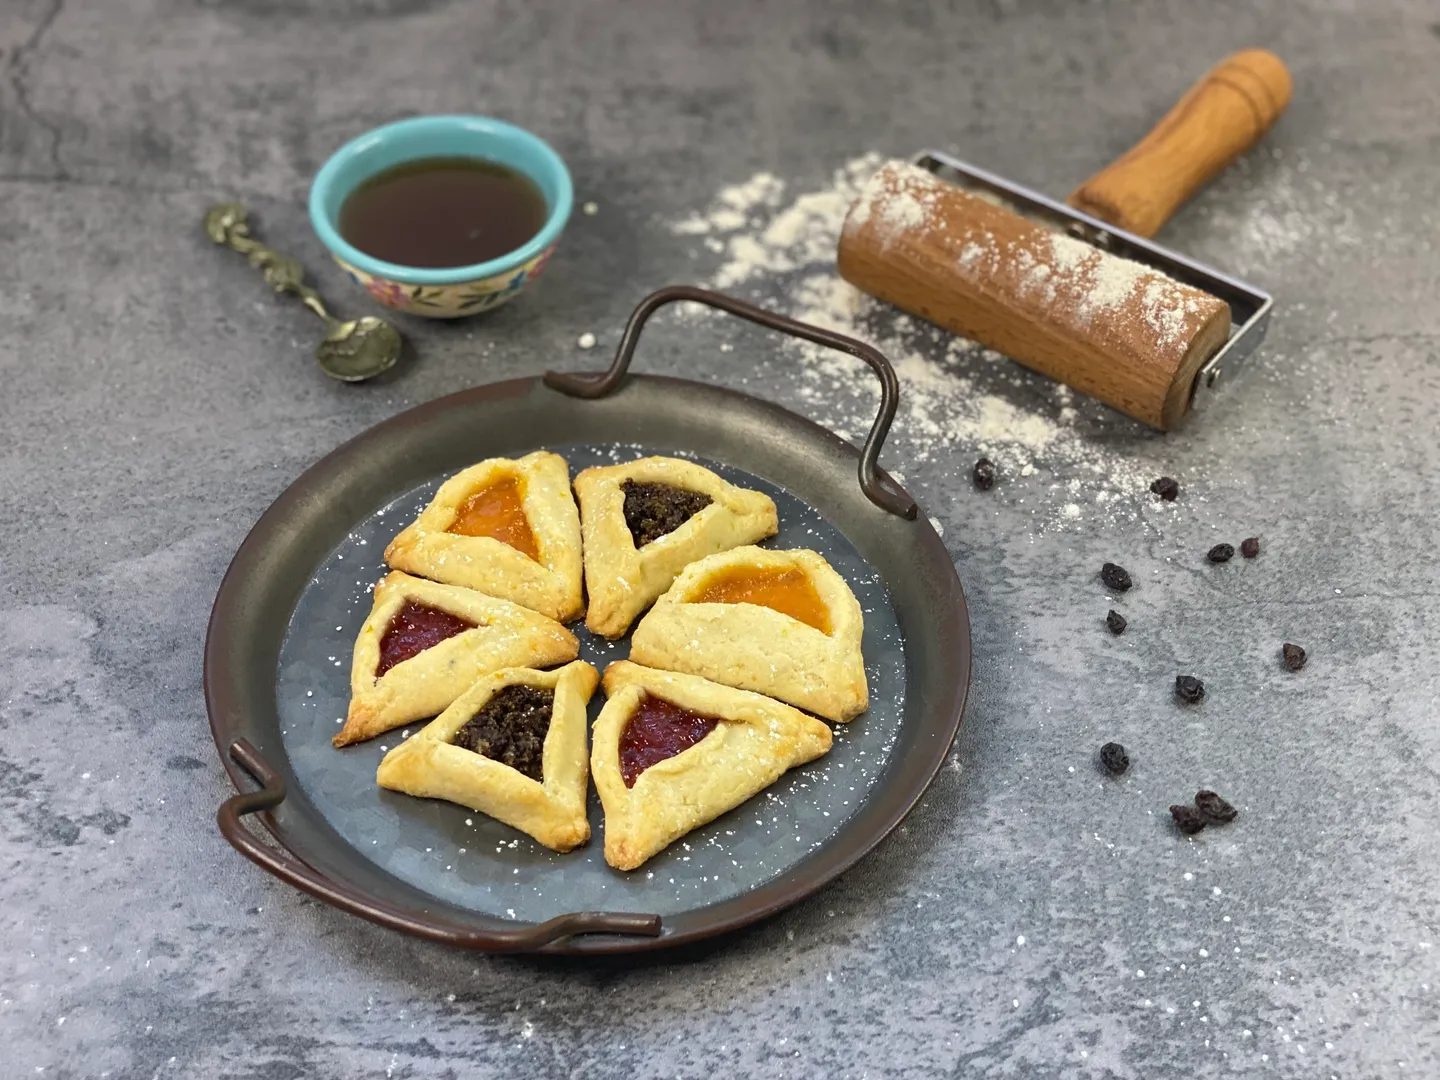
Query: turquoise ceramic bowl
x=455, y=290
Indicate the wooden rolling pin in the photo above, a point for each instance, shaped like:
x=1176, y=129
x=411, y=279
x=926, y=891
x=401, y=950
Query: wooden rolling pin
x=1110, y=327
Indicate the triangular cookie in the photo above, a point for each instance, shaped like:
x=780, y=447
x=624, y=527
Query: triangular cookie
x=782, y=623
x=425, y=644
x=731, y=744
x=644, y=521
x=513, y=747
x=506, y=528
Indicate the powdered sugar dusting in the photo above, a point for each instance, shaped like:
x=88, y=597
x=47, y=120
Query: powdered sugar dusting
x=958, y=400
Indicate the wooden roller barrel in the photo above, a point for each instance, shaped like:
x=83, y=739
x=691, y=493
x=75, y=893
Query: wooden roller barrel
x=1111, y=328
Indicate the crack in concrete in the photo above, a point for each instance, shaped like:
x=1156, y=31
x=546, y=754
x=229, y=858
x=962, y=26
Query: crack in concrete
x=1030, y=1019
x=19, y=69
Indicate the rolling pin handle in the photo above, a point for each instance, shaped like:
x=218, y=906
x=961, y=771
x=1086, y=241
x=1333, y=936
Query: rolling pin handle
x=1218, y=119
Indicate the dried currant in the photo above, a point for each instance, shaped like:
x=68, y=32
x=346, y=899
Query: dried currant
x=1250, y=547
x=1116, y=622
x=1221, y=553
x=1114, y=758
x=983, y=474
x=1214, y=807
x=1115, y=577
x=1187, y=819
x=1166, y=488
x=1189, y=689
x=1293, y=655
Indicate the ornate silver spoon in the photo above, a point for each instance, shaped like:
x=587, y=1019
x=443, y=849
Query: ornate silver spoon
x=352, y=351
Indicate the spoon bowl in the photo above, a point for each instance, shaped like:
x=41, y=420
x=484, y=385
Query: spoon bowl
x=359, y=349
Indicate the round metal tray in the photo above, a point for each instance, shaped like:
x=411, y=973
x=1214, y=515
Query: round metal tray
x=277, y=669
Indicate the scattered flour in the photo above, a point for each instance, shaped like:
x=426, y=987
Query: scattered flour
x=905, y=211
x=798, y=235
x=1058, y=276
x=1069, y=255
x=1001, y=422
x=959, y=401
x=733, y=206
x=1110, y=281
x=903, y=195
x=1265, y=225
x=1115, y=281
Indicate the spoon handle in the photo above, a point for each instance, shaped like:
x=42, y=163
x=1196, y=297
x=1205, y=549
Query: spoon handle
x=228, y=224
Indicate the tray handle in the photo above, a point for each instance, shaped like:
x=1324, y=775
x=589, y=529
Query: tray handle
x=296, y=873
x=880, y=489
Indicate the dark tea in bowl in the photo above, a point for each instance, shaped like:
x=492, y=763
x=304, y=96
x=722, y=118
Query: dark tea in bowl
x=443, y=212
x=442, y=216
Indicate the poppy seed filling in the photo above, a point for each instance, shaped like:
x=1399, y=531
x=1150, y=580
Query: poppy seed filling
x=511, y=729
x=653, y=510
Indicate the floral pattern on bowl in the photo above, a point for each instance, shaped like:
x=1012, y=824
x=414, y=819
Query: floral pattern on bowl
x=449, y=301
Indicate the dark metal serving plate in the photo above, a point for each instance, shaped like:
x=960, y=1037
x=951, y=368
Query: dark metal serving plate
x=277, y=663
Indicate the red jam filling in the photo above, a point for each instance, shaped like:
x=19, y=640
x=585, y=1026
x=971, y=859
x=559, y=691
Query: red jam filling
x=658, y=729
x=415, y=628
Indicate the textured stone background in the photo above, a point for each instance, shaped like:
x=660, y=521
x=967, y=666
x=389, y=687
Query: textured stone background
x=156, y=399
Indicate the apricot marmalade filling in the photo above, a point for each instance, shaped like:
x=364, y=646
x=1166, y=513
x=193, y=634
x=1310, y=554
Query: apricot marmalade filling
x=415, y=628
x=787, y=590
x=498, y=512
x=658, y=729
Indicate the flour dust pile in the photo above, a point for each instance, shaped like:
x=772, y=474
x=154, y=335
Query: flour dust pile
x=958, y=401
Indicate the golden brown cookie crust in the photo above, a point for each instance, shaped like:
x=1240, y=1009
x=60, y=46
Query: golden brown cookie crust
x=622, y=580
x=758, y=648
x=552, y=810
x=551, y=586
x=755, y=742
x=504, y=635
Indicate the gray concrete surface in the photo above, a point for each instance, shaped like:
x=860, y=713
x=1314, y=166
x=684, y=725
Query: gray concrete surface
x=156, y=399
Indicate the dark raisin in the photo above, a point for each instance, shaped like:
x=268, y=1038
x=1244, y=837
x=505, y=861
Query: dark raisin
x=1221, y=553
x=1189, y=689
x=1293, y=655
x=1115, y=577
x=1187, y=819
x=1214, y=807
x=1250, y=547
x=1116, y=622
x=1166, y=488
x=983, y=474
x=1114, y=758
